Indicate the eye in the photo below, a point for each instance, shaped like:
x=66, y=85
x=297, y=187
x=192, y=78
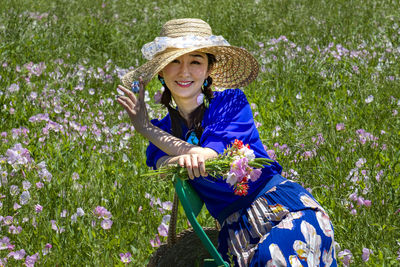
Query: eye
x=196, y=62
x=175, y=61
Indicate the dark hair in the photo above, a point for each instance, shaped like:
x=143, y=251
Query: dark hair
x=196, y=116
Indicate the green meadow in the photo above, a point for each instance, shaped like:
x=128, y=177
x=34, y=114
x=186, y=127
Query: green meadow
x=326, y=103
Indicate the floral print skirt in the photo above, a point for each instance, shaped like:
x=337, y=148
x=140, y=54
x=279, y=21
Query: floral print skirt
x=283, y=227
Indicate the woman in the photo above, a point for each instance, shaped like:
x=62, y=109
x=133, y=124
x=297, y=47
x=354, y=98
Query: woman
x=278, y=223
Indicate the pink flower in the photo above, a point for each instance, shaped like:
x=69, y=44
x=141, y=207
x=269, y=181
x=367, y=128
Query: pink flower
x=345, y=256
x=4, y=243
x=38, y=208
x=366, y=253
x=255, y=174
x=106, y=224
x=46, y=249
x=163, y=229
x=367, y=203
x=31, y=260
x=17, y=255
x=101, y=212
x=239, y=168
x=339, y=126
x=125, y=257
x=155, y=243
x=271, y=154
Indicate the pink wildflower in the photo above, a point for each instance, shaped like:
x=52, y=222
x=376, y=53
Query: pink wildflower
x=155, y=243
x=366, y=253
x=106, y=224
x=17, y=255
x=101, y=212
x=47, y=249
x=125, y=257
x=163, y=229
x=339, y=126
x=346, y=257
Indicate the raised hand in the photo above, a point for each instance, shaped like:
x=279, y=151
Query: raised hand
x=135, y=106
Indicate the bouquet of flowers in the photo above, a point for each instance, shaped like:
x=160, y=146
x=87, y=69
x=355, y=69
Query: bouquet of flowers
x=237, y=165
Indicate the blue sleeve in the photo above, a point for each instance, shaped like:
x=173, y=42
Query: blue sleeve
x=153, y=153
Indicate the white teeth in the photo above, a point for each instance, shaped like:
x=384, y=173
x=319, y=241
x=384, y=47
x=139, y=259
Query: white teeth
x=184, y=83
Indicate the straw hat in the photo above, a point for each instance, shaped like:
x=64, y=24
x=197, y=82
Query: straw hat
x=234, y=67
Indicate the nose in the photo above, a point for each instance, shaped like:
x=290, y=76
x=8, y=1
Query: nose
x=183, y=69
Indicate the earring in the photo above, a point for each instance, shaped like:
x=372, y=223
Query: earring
x=205, y=82
x=162, y=81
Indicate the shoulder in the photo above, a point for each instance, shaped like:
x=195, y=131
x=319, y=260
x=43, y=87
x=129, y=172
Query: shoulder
x=228, y=98
x=228, y=93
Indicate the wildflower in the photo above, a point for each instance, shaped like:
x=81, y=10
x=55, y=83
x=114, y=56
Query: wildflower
x=271, y=154
x=75, y=176
x=18, y=155
x=24, y=197
x=31, y=260
x=63, y=214
x=14, y=229
x=17, y=255
x=47, y=249
x=369, y=99
x=39, y=185
x=167, y=205
x=241, y=189
x=14, y=190
x=163, y=229
x=339, y=126
x=345, y=256
x=361, y=162
x=74, y=218
x=125, y=257
x=101, y=212
x=16, y=206
x=8, y=220
x=26, y=185
x=366, y=253
x=155, y=243
x=106, y=224
x=367, y=203
x=4, y=243
x=54, y=226
x=80, y=212
x=13, y=88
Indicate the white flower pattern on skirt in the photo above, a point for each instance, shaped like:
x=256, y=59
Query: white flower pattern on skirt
x=277, y=257
x=309, y=251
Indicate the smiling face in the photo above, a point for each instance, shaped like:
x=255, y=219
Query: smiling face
x=185, y=75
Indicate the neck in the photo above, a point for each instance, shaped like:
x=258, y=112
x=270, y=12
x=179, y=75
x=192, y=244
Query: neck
x=185, y=107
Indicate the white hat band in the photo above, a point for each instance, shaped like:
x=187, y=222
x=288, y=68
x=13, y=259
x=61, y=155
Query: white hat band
x=160, y=44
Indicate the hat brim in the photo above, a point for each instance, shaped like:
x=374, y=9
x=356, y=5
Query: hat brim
x=234, y=66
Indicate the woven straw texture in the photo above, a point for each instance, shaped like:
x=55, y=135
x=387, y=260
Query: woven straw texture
x=235, y=66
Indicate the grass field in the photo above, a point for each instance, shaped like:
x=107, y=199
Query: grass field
x=327, y=103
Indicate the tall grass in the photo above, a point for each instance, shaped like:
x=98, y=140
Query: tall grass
x=326, y=102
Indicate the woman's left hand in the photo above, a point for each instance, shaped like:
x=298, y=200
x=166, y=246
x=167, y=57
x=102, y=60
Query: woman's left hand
x=194, y=163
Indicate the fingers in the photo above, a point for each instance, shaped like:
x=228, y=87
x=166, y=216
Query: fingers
x=195, y=165
x=128, y=93
x=141, y=90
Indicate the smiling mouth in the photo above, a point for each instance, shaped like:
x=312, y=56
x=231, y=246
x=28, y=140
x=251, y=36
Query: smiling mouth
x=184, y=84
